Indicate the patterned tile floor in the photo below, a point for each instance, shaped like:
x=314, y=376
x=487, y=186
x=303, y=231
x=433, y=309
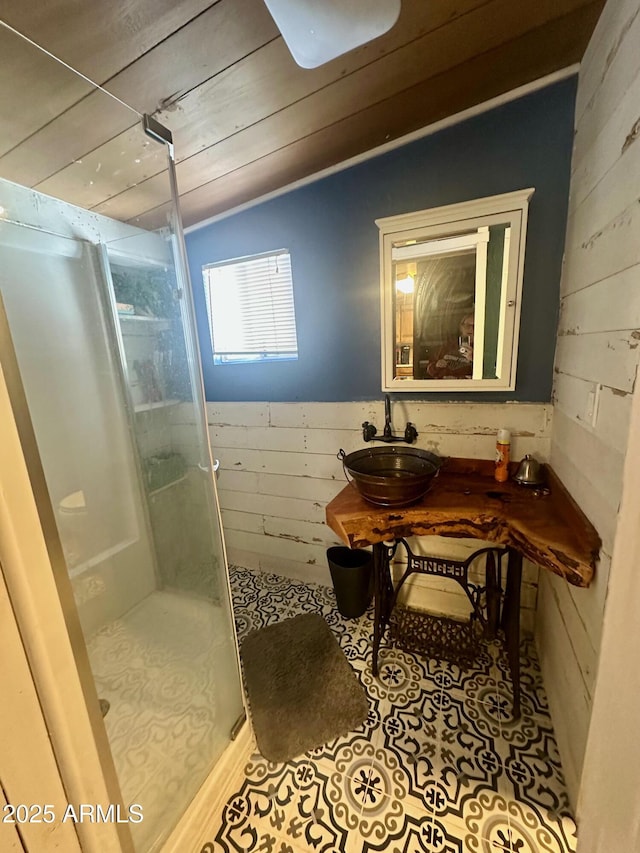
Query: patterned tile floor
x=159, y=666
x=437, y=767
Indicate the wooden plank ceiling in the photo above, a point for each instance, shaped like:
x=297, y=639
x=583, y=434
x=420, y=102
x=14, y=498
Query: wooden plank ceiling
x=246, y=119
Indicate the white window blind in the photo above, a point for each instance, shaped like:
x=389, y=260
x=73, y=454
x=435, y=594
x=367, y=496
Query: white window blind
x=250, y=308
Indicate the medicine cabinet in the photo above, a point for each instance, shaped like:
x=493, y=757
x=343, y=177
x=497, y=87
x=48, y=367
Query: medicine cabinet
x=451, y=287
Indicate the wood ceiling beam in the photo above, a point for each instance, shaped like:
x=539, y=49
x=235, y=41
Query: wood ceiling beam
x=346, y=107
x=243, y=113
x=100, y=39
x=518, y=62
x=261, y=83
x=236, y=27
x=451, y=48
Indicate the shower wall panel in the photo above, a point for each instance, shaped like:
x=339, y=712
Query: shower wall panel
x=116, y=402
x=51, y=287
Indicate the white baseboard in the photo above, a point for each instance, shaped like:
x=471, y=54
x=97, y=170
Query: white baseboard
x=281, y=566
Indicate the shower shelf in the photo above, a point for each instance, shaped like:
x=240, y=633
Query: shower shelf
x=167, y=486
x=96, y=587
x=143, y=318
x=160, y=404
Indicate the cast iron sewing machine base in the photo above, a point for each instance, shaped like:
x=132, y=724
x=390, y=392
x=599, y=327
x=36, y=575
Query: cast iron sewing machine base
x=485, y=600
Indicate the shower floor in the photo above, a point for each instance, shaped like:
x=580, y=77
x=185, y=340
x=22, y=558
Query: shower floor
x=160, y=667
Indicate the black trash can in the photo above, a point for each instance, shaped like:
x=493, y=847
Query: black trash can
x=352, y=576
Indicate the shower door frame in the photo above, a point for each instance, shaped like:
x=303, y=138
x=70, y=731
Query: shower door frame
x=41, y=596
x=30, y=753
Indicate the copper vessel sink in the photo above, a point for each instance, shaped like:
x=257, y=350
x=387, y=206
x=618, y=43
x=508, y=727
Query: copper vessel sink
x=391, y=476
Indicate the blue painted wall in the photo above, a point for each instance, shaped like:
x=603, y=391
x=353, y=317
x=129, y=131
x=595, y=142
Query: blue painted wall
x=329, y=228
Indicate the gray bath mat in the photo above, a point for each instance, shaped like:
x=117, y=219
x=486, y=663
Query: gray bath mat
x=302, y=690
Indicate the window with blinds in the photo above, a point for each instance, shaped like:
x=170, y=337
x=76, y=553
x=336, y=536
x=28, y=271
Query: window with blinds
x=250, y=308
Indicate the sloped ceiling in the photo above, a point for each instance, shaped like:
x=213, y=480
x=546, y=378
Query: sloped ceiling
x=246, y=119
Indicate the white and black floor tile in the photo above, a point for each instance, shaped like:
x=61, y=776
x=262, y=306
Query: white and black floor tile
x=439, y=766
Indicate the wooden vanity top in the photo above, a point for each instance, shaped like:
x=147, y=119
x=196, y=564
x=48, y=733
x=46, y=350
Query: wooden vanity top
x=465, y=501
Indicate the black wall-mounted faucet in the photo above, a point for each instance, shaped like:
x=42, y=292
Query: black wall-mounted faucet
x=370, y=433
x=387, y=418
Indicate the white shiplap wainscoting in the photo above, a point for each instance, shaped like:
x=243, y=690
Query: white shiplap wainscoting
x=596, y=358
x=278, y=471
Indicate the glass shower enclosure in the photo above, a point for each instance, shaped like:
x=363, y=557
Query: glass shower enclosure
x=97, y=329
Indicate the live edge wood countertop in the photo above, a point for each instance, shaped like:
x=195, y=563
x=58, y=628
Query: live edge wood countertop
x=465, y=501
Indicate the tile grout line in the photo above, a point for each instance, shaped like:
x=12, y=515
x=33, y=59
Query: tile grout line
x=500, y=693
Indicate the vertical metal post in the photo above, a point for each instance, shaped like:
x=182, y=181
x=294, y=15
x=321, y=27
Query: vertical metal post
x=511, y=623
x=379, y=572
x=493, y=594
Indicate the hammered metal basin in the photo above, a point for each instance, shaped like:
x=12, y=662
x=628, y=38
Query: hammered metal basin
x=391, y=476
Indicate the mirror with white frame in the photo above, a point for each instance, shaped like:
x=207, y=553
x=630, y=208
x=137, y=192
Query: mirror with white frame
x=451, y=285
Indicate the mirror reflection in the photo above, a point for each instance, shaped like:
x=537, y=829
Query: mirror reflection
x=451, y=280
x=447, y=296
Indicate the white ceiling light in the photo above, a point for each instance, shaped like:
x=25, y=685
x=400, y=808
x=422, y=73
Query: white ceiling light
x=319, y=30
x=405, y=285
